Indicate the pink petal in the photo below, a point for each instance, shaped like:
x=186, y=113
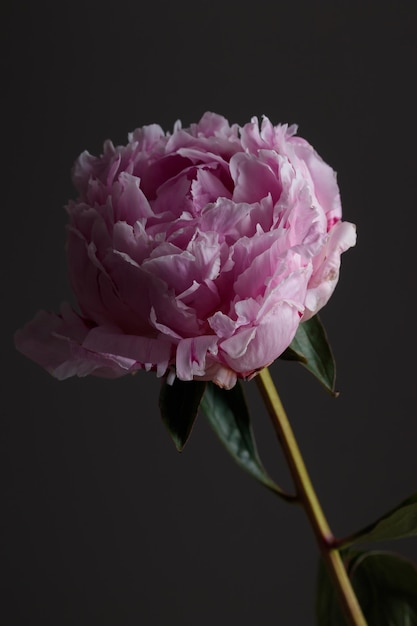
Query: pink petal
x=54, y=342
x=207, y=187
x=326, y=267
x=191, y=356
x=253, y=179
x=264, y=343
x=323, y=176
x=132, y=204
x=139, y=350
x=220, y=375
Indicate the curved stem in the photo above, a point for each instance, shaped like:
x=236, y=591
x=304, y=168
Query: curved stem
x=309, y=500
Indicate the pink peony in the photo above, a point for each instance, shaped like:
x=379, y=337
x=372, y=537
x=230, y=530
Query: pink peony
x=195, y=254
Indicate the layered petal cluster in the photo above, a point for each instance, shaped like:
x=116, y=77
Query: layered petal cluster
x=194, y=254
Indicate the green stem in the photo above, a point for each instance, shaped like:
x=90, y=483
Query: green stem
x=309, y=501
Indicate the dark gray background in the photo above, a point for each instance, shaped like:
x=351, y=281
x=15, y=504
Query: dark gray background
x=103, y=522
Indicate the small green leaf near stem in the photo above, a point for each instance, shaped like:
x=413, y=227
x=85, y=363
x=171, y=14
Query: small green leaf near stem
x=398, y=523
x=179, y=404
x=228, y=415
x=311, y=348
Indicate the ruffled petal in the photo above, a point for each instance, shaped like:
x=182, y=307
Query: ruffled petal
x=255, y=348
x=191, y=356
x=253, y=179
x=326, y=267
x=55, y=343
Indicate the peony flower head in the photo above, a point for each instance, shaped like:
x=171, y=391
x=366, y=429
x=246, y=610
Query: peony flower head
x=194, y=254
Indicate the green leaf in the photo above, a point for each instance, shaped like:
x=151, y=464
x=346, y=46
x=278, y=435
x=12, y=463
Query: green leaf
x=385, y=585
x=179, y=404
x=398, y=523
x=228, y=415
x=311, y=348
